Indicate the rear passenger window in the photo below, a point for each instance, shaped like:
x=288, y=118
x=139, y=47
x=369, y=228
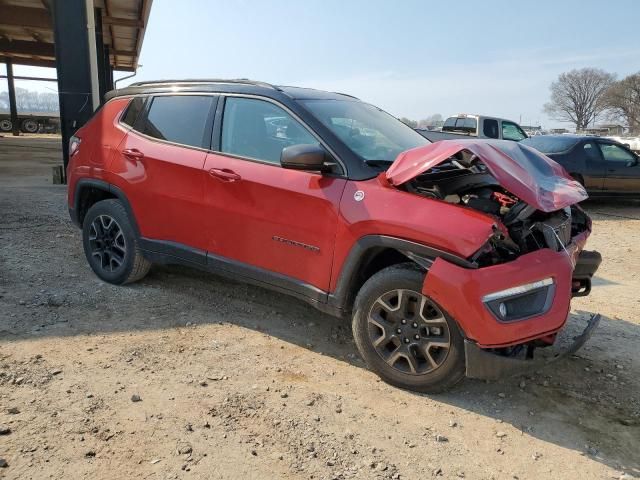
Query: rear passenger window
x=179, y=119
x=259, y=129
x=591, y=151
x=133, y=110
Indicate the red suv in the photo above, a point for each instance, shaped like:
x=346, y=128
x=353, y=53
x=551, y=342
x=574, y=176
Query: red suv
x=453, y=258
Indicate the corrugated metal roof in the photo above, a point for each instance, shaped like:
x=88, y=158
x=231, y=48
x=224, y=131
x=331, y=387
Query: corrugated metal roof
x=26, y=31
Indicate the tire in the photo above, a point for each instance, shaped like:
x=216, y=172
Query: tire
x=111, y=245
x=30, y=126
x=6, y=125
x=380, y=337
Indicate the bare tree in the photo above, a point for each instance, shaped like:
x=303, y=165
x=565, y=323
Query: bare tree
x=407, y=121
x=431, y=121
x=623, y=98
x=31, y=101
x=578, y=96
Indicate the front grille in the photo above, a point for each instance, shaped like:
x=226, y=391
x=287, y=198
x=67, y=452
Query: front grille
x=557, y=230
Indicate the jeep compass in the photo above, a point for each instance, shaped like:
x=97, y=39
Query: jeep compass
x=452, y=258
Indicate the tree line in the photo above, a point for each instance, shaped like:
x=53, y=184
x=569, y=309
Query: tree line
x=31, y=101
x=585, y=95
x=581, y=97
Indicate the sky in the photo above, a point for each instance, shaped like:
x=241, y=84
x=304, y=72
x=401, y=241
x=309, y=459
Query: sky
x=412, y=58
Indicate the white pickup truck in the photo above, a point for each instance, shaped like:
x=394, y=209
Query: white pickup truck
x=478, y=126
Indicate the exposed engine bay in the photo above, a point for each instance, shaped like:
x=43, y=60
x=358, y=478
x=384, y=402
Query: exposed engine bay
x=464, y=180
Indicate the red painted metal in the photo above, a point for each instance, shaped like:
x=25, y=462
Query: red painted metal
x=261, y=201
x=385, y=210
x=460, y=292
x=525, y=172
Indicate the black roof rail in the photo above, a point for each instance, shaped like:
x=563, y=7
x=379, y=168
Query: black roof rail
x=347, y=95
x=280, y=87
x=245, y=81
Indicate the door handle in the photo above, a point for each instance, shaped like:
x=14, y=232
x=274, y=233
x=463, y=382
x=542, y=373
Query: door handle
x=133, y=153
x=224, y=174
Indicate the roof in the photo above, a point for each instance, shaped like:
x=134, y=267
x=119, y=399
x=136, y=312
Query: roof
x=478, y=117
x=565, y=135
x=26, y=31
x=236, y=85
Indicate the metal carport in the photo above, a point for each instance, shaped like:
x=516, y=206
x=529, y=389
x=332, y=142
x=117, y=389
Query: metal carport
x=85, y=40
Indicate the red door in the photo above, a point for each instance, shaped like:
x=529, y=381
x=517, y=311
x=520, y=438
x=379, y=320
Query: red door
x=266, y=216
x=164, y=167
x=167, y=189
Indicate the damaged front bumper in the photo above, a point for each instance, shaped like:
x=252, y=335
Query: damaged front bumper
x=506, y=309
x=487, y=365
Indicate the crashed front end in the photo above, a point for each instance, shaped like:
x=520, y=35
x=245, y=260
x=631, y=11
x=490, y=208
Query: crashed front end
x=517, y=297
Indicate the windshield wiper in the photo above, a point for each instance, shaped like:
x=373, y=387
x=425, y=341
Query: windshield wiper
x=379, y=163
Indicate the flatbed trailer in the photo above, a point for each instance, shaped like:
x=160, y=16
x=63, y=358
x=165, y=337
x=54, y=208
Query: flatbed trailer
x=31, y=122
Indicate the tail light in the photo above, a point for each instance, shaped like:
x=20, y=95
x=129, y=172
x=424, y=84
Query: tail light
x=74, y=145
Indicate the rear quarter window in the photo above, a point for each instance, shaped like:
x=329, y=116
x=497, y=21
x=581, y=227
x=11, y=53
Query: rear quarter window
x=490, y=128
x=547, y=144
x=133, y=111
x=179, y=119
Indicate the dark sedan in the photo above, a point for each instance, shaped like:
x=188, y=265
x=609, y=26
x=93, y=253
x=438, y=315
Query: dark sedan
x=604, y=167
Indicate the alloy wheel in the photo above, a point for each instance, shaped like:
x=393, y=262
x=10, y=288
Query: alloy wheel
x=409, y=332
x=107, y=242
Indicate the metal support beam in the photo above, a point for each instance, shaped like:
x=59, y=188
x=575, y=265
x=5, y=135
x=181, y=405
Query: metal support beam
x=107, y=57
x=32, y=62
x=100, y=48
x=39, y=79
x=124, y=22
x=24, y=17
x=41, y=49
x=13, y=108
x=93, y=53
x=23, y=47
x=74, y=72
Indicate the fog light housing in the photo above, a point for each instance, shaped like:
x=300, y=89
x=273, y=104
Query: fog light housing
x=521, y=302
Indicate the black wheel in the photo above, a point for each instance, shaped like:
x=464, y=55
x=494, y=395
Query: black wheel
x=30, y=125
x=110, y=244
x=5, y=125
x=404, y=336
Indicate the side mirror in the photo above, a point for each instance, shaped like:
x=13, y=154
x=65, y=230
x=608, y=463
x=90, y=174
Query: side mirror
x=305, y=157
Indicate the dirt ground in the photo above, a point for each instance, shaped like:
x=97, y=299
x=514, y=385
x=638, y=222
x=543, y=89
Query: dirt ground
x=236, y=382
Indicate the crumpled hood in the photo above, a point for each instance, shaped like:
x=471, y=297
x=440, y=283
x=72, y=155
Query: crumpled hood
x=523, y=171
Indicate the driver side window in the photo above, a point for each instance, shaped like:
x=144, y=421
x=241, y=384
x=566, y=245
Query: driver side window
x=511, y=131
x=259, y=130
x=615, y=153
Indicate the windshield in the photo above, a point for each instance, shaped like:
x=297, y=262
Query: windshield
x=371, y=133
x=548, y=144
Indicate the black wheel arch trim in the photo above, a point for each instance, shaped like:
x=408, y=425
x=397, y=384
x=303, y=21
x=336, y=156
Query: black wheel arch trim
x=418, y=253
x=106, y=187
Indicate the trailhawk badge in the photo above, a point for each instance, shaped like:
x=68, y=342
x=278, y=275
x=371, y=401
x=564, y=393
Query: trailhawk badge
x=358, y=196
